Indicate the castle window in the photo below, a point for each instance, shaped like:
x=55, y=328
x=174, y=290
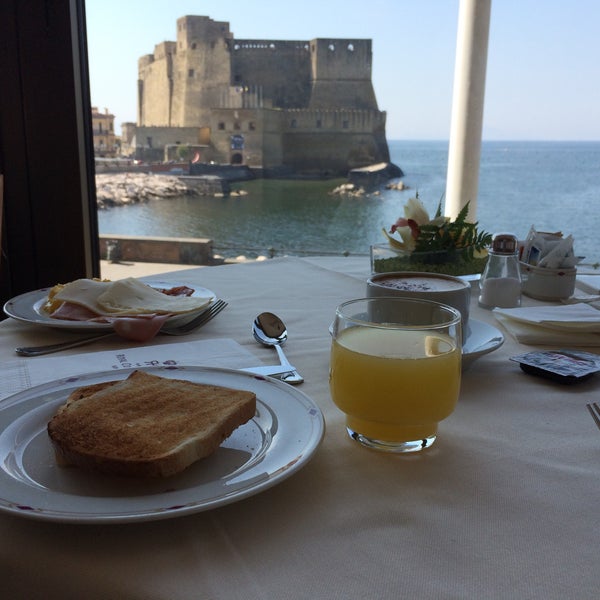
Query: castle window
x=350, y=47
x=319, y=123
x=251, y=126
x=190, y=72
x=331, y=47
x=194, y=46
x=236, y=125
x=345, y=124
x=237, y=78
x=221, y=126
x=294, y=124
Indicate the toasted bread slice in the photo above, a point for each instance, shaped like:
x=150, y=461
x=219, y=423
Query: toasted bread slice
x=146, y=425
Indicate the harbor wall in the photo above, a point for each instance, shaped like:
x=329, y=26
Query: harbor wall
x=138, y=248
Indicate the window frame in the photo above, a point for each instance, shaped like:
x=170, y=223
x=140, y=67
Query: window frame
x=50, y=228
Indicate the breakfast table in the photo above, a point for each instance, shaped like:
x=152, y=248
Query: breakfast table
x=505, y=504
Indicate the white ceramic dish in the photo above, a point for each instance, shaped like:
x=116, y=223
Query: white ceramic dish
x=28, y=308
x=481, y=339
x=282, y=437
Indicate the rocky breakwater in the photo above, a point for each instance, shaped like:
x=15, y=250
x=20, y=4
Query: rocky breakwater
x=118, y=189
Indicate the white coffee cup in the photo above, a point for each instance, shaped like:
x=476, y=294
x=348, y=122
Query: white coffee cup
x=437, y=287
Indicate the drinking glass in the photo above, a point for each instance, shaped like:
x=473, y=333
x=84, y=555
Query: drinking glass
x=395, y=370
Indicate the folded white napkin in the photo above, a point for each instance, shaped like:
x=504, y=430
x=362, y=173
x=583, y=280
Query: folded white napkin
x=217, y=352
x=588, y=283
x=577, y=324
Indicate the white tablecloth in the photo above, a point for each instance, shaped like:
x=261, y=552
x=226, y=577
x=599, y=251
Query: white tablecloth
x=504, y=505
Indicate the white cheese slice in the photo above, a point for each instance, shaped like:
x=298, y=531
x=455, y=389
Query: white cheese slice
x=130, y=296
x=84, y=292
x=127, y=297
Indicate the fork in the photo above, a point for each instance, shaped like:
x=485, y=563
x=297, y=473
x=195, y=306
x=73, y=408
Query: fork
x=204, y=317
x=595, y=412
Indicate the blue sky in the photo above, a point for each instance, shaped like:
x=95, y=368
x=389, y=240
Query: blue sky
x=543, y=75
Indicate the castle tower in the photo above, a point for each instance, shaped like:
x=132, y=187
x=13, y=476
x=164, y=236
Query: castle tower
x=183, y=80
x=155, y=84
x=203, y=69
x=341, y=74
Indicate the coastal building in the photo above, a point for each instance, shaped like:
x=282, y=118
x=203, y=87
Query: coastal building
x=297, y=106
x=103, y=128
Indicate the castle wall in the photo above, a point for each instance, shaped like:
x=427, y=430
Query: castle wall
x=253, y=134
x=151, y=141
x=154, y=85
x=333, y=141
x=280, y=69
x=329, y=153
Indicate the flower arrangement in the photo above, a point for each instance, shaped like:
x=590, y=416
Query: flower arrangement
x=419, y=243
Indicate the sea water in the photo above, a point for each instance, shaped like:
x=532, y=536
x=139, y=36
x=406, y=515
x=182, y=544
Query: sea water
x=553, y=186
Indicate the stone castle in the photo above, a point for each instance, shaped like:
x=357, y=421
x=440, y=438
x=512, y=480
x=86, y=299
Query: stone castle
x=299, y=106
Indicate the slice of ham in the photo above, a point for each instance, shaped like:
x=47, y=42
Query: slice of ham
x=179, y=290
x=140, y=328
x=137, y=326
x=75, y=312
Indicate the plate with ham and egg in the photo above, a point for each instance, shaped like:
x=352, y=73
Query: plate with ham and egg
x=94, y=305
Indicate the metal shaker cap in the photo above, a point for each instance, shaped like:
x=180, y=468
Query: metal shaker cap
x=504, y=243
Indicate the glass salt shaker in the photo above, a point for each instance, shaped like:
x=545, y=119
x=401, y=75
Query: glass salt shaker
x=500, y=282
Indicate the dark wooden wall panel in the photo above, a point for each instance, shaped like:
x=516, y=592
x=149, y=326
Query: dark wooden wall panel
x=47, y=230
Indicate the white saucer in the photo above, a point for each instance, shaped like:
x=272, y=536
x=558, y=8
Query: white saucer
x=481, y=339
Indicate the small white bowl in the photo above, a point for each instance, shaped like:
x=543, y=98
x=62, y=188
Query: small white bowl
x=547, y=284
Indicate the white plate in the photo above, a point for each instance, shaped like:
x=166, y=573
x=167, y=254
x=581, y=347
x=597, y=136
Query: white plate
x=28, y=308
x=279, y=440
x=481, y=339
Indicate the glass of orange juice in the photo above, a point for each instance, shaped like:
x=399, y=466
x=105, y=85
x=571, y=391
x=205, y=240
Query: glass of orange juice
x=395, y=370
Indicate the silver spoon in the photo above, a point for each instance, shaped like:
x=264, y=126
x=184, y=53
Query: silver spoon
x=269, y=330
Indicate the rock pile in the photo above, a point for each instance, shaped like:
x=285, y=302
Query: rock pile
x=348, y=189
x=130, y=188
x=399, y=185
x=351, y=189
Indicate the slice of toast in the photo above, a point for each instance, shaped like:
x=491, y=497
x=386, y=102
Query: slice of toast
x=146, y=425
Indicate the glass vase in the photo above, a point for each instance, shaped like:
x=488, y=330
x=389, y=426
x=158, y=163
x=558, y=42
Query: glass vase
x=457, y=261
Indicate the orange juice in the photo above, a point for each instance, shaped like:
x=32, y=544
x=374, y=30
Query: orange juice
x=393, y=384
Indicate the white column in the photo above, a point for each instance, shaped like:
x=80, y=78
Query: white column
x=467, y=107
